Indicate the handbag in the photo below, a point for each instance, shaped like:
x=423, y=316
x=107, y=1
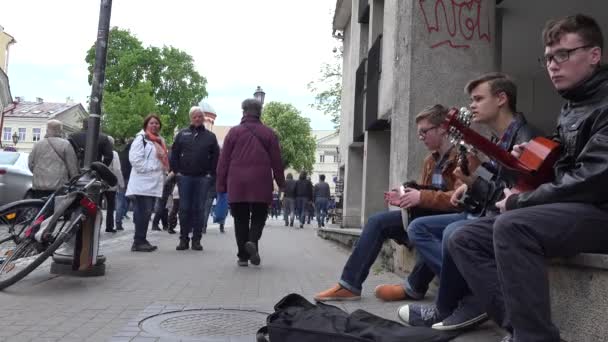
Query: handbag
x=221, y=207
x=297, y=320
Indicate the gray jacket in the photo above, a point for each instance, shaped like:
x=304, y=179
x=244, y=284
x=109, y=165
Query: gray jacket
x=52, y=162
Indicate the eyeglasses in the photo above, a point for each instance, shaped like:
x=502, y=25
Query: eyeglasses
x=559, y=56
x=423, y=131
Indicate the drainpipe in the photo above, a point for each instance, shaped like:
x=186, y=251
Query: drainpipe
x=14, y=105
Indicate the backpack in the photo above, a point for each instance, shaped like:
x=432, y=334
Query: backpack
x=125, y=163
x=79, y=150
x=297, y=320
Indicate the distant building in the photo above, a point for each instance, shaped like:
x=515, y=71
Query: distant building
x=28, y=120
x=6, y=40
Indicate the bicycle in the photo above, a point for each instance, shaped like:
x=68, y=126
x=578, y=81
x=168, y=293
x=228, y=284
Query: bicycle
x=58, y=219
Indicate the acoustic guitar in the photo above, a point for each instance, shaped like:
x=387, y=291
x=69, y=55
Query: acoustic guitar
x=535, y=164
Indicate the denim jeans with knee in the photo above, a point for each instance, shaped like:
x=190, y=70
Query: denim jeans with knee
x=379, y=228
x=192, y=196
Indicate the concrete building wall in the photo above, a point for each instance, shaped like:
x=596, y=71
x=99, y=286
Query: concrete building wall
x=521, y=26
x=437, y=53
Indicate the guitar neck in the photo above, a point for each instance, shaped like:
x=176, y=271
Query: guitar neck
x=486, y=146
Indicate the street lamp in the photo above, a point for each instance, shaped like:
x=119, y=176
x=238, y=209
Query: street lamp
x=15, y=138
x=259, y=94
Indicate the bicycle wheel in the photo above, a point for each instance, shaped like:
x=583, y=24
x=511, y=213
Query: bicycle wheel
x=14, y=218
x=29, y=253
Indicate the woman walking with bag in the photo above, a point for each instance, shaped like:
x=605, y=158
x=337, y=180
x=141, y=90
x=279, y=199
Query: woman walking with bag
x=249, y=160
x=149, y=162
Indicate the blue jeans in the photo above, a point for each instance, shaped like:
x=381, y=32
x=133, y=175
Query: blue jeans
x=122, y=205
x=142, y=211
x=455, y=287
x=321, y=209
x=208, y=203
x=192, y=198
x=426, y=234
x=379, y=228
x=301, y=209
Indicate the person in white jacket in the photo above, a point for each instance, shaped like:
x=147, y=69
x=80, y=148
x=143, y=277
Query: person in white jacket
x=149, y=162
x=110, y=194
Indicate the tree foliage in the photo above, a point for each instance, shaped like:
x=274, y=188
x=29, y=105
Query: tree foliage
x=297, y=143
x=328, y=88
x=141, y=80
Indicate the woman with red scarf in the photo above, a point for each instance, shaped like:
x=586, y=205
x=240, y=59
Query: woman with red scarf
x=149, y=162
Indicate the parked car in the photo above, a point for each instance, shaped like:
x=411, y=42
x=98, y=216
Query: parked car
x=15, y=177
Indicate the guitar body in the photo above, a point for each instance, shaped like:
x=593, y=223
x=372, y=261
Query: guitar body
x=535, y=165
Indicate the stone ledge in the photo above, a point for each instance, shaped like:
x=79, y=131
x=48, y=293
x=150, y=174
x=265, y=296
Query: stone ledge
x=579, y=285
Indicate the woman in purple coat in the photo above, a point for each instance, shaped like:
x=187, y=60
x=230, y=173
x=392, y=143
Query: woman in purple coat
x=249, y=160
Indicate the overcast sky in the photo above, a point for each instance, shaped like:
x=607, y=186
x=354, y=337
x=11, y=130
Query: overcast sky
x=236, y=44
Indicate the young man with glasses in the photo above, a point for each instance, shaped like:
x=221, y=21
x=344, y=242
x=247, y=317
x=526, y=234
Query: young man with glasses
x=503, y=259
x=493, y=104
x=438, y=175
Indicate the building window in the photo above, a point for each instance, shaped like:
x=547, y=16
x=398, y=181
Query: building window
x=335, y=159
x=321, y=159
x=6, y=134
x=21, y=134
x=36, y=134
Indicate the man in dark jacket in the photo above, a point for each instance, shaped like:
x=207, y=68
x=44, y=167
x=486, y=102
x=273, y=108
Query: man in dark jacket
x=79, y=141
x=250, y=161
x=321, y=194
x=503, y=259
x=303, y=197
x=289, y=200
x=194, y=156
x=493, y=104
x=122, y=202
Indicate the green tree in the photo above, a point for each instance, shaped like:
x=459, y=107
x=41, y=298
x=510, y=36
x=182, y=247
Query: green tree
x=297, y=143
x=126, y=109
x=328, y=88
x=167, y=73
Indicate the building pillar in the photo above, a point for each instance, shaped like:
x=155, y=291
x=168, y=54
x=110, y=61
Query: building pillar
x=351, y=217
x=375, y=172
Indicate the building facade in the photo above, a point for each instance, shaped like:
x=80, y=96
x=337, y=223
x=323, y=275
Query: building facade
x=28, y=121
x=6, y=40
x=401, y=56
x=326, y=157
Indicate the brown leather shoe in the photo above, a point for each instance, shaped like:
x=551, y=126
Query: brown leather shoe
x=337, y=293
x=390, y=293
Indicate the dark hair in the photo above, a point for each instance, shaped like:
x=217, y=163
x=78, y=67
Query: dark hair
x=436, y=114
x=499, y=83
x=152, y=116
x=252, y=107
x=303, y=175
x=289, y=176
x=585, y=26
x=322, y=177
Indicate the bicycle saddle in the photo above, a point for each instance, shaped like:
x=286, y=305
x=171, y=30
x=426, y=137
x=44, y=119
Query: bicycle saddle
x=104, y=173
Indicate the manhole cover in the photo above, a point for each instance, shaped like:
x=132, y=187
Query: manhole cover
x=205, y=325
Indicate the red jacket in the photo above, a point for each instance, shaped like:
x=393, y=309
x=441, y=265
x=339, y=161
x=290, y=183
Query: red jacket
x=249, y=159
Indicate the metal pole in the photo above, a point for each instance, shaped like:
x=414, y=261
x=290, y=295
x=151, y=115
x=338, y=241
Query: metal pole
x=99, y=73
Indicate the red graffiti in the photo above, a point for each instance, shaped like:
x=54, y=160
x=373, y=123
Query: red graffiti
x=463, y=25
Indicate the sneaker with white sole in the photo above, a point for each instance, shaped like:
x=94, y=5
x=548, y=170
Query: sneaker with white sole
x=466, y=315
x=419, y=315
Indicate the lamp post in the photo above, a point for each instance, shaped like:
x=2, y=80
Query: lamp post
x=15, y=138
x=259, y=94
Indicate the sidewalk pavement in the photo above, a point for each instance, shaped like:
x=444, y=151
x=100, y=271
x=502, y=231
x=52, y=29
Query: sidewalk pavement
x=124, y=304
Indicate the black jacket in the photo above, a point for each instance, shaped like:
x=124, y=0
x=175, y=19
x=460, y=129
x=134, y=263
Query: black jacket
x=581, y=173
x=486, y=192
x=321, y=189
x=125, y=164
x=304, y=189
x=104, y=147
x=290, y=188
x=195, y=152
